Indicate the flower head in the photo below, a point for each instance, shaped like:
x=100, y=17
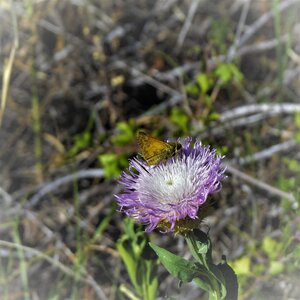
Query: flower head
x=174, y=190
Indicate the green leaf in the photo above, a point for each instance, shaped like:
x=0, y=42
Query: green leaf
x=214, y=116
x=223, y=72
x=218, y=35
x=135, y=252
x=126, y=133
x=112, y=164
x=222, y=150
x=103, y=224
x=81, y=142
x=204, y=82
x=242, y=265
x=228, y=72
x=297, y=137
x=293, y=246
x=125, y=250
x=292, y=164
x=192, y=89
x=236, y=73
x=177, y=266
x=150, y=283
x=180, y=118
x=272, y=247
x=297, y=119
x=276, y=267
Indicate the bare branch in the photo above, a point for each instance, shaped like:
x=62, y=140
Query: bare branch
x=263, y=20
x=262, y=185
x=187, y=23
x=267, y=108
x=266, y=153
x=52, y=186
x=263, y=46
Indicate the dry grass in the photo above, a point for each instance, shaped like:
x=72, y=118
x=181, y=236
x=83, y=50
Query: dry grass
x=72, y=70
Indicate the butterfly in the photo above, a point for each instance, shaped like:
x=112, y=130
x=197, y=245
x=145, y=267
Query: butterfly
x=154, y=150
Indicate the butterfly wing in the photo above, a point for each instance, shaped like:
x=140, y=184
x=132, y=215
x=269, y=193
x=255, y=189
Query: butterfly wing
x=154, y=150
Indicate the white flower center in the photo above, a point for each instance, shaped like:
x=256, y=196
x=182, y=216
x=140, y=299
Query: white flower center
x=171, y=183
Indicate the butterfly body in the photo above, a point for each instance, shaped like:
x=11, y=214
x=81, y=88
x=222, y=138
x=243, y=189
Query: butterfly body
x=154, y=150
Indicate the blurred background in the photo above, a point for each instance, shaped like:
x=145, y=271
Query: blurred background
x=80, y=77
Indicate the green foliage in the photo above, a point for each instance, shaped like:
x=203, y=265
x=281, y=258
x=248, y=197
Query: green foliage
x=136, y=254
x=181, y=119
x=193, y=89
x=288, y=184
x=218, y=35
x=297, y=137
x=224, y=74
x=290, y=181
x=276, y=267
x=297, y=123
x=280, y=256
x=179, y=267
x=241, y=265
x=113, y=164
x=292, y=164
x=98, y=232
x=222, y=150
x=202, y=271
x=292, y=251
x=271, y=247
x=274, y=251
x=83, y=140
x=126, y=133
x=297, y=120
x=23, y=263
x=228, y=72
x=205, y=82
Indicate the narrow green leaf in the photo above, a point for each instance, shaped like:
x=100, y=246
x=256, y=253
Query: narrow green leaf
x=126, y=252
x=151, y=280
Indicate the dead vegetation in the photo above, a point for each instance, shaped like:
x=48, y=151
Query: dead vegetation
x=73, y=70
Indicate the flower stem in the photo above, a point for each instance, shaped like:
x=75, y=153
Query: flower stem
x=200, y=247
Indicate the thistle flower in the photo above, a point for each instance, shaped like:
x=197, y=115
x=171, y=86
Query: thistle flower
x=171, y=195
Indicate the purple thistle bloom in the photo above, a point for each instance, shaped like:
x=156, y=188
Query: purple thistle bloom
x=172, y=190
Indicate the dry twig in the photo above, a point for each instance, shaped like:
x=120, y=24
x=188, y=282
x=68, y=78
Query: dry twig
x=52, y=186
x=261, y=185
x=68, y=271
x=9, y=63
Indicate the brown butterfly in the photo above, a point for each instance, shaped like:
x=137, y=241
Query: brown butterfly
x=154, y=150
